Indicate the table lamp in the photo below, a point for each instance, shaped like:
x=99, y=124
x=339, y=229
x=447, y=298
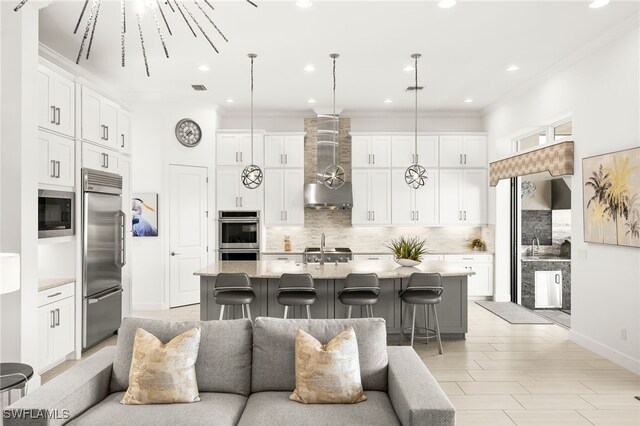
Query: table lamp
x=9, y=272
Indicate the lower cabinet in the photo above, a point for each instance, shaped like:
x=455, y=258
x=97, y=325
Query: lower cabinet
x=373, y=257
x=293, y=258
x=480, y=284
x=55, y=326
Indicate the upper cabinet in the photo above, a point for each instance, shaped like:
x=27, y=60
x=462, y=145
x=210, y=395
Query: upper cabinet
x=232, y=194
x=370, y=151
x=234, y=149
x=371, y=197
x=414, y=206
x=99, y=119
x=56, y=156
x=284, y=150
x=124, y=132
x=463, y=151
x=56, y=102
x=284, y=197
x=404, y=151
x=463, y=197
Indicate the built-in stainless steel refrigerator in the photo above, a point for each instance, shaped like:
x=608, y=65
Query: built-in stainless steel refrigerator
x=103, y=239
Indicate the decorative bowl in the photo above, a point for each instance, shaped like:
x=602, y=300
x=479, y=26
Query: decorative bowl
x=407, y=262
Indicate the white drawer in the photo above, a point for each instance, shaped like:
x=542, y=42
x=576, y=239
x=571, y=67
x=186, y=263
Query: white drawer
x=432, y=257
x=373, y=257
x=469, y=258
x=282, y=257
x=56, y=293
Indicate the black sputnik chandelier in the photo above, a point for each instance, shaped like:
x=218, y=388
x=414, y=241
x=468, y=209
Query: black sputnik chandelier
x=187, y=13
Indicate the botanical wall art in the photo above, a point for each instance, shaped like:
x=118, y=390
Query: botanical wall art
x=611, y=198
x=144, y=215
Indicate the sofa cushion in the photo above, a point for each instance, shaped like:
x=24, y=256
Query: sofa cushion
x=376, y=410
x=274, y=350
x=213, y=409
x=224, y=357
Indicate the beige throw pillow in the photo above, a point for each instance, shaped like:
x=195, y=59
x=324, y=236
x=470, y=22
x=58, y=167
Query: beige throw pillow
x=163, y=373
x=327, y=374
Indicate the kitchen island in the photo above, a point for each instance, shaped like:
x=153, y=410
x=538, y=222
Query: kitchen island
x=329, y=280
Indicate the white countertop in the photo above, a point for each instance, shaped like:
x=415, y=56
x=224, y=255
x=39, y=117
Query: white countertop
x=47, y=283
x=329, y=271
x=373, y=252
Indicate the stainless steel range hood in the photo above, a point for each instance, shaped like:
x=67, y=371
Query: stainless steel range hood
x=317, y=195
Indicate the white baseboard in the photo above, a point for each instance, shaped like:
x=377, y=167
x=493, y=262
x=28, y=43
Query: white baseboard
x=502, y=297
x=147, y=307
x=611, y=354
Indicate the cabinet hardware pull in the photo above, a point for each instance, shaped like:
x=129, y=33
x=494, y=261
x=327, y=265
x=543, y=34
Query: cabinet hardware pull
x=417, y=158
x=557, y=279
x=240, y=197
x=413, y=158
x=57, y=316
x=374, y=258
x=369, y=159
x=373, y=215
x=282, y=258
x=107, y=128
x=241, y=156
x=417, y=214
x=173, y=253
x=53, y=319
x=58, y=172
x=122, y=145
x=467, y=258
x=368, y=214
x=236, y=156
x=465, y=159
x=459, y=214
x=55, y=294
x=236, y=201
x=53, y=114
x=460, y=158
x=374, y=159
x=286, y=159
x=281, y=159
x=53, y=168
x=465, y=215
x=413, y=215
x=286, y=215
x=106, y=156
x=58, y=119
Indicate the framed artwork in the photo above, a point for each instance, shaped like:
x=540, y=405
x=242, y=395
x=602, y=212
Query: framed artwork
x=144, y=214
x=611, y=198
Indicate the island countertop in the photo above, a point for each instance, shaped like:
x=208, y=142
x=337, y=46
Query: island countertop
x=330, y=271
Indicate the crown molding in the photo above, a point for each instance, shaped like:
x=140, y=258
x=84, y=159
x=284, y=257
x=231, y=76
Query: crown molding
x=225, y=113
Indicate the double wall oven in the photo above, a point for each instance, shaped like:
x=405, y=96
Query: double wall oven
x=239, y=235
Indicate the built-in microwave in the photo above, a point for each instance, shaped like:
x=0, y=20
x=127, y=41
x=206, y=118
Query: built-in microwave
x=55, y=213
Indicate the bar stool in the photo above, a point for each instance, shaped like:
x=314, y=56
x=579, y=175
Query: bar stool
x=424, y=289
x=360, y=290
x=234, y=289
x=296, y=290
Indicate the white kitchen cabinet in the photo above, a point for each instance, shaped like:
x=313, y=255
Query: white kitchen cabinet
x=56, y=159
x=284, y=197
x=414, y=206
x=463, y=196
x=463, y=151
x=56, y=102
x=233, y=195
x=480, y=284
x=403, y=148
x=56, y=321
x=124, y=132
x=99, y=158
x=373, y=257
x=99, y=119
x=284, y=151
x=371, y=197
x=292, y=258
x=370, y=151
x=234, y=149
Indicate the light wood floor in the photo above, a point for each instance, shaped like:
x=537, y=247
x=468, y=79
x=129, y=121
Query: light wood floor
x=506, y=374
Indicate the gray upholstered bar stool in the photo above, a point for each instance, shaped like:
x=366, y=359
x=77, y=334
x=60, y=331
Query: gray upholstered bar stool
x=424, y=289
x=234, y=289
x=296, y=290
x=360, y=290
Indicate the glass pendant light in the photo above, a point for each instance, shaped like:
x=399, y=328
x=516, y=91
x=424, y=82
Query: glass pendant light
x=416, y=176
x=252, y=174
x=333, y=176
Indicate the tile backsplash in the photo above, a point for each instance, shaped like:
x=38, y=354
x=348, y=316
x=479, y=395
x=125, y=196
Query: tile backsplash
x=336, y=224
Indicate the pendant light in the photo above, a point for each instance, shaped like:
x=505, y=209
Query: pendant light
x=252, y=174
x=333, y=175
x=416, y=175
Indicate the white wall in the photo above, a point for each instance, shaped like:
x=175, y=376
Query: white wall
x=155, y=147
x=601, y=92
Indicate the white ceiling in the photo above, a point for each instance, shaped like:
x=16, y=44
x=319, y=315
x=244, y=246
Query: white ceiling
x=465, y=49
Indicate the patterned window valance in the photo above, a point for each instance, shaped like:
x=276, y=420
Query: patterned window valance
x=556, y=159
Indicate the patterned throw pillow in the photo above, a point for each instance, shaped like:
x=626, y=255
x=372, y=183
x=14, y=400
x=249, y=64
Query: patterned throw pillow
x=163, y=373
x=327, y=374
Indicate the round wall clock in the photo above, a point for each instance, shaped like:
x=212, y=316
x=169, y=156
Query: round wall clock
x=188, y=132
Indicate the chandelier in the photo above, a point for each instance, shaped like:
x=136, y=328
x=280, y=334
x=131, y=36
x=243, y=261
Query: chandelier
x=416, y=176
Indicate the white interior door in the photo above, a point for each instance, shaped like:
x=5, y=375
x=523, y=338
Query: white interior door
x=187, y=232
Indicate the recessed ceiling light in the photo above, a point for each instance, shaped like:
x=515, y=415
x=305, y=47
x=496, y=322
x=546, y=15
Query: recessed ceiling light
x=446, y=4
x=309, y=68
x=229, y=101
x=595, y=4
x=388, y=101
x=513, y=68
x=304, y=3
x=468, y=101
x=204, y=67
x=408, y=68
x=312, y=101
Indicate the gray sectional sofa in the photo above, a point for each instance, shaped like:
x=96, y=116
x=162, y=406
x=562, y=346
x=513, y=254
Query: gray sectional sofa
x=245, y=375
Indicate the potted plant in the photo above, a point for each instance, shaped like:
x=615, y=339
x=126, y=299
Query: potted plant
x=408, y=251
x=476, y=244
